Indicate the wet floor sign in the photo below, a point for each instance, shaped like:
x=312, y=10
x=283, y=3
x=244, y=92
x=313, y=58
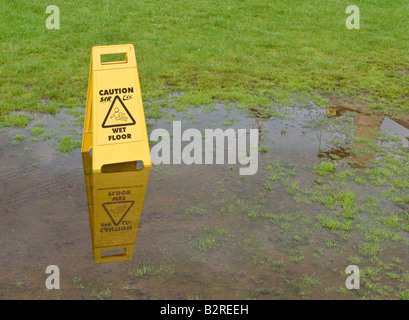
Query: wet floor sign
x=114, y=126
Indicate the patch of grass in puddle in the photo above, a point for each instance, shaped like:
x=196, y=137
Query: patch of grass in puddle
x=405, y=276
x=78, y=282
x=91, y=290
x=264, y=150
x=67, y=144
x=392, y=221
x=79, y=121
x=36, y=131
x=143, y=271
x=196, y=211
x=205, y=244
x=331, y=243
x=354, y=260
x=149, y=270
x=297, y=258
x=259, y=292
x=100, y=294
x=223, y=232
x=76, y=112
x=277, y=264
x=17, y=138
x=203, y=240
x=18, y=283
x=281, y=172
x=370, y=249
x=392, y=275
x=295, y=186
x=404, y=294
x=15, y=120
x=378, y=290
x=268, y=186
x=334, y=223
x=279, y=217
x=286, y=226
x=310, y=280
x=253, y=213
x=324, y=168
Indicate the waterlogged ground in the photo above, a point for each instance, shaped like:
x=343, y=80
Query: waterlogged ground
x=331, y=191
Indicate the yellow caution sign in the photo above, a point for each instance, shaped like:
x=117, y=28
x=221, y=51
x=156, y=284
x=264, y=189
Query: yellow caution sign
x=115, y=203
x=114, y=126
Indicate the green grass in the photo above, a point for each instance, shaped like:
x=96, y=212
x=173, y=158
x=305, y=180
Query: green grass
x=196, y=211
x=14, y=120
x=263, y=150
x=404, y=294
x=298, y=258
x=252, y=213
x=311, y=280
x=253, y=52
x=334, y=224
x=354, y=260
x=17, y=138
x=36, y=131
x=18, y=283
x=331, y=243
x=204, y=244
x=67, y=144
x=370, y=249
x=100, y=295
x=324, y=168
x=143, y=271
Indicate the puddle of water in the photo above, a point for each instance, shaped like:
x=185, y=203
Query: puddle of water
x=180, y=231
x=398, y=128
x=366, y=127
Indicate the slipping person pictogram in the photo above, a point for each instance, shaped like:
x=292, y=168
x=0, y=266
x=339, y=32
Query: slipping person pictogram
x=120, y=116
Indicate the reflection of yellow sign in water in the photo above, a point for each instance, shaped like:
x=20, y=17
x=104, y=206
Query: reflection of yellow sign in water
x=115, y=202
x=115, y=127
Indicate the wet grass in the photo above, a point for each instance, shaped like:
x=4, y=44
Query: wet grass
x=93, y=291
x=36, y=131
x=352, y=214
x=348, y=216
x=17, y=138
x=67, y=144
x=148, y=270
x=324, y=168
x=253, y=53
x=15, y=120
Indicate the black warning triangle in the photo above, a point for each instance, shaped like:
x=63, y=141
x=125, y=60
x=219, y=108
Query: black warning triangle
x=117, y=210
x=118, y=115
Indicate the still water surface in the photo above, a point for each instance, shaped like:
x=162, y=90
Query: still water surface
x=183, y=231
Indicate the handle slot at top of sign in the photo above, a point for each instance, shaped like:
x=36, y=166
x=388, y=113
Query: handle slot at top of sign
x=105, y=58
x=114, y=58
